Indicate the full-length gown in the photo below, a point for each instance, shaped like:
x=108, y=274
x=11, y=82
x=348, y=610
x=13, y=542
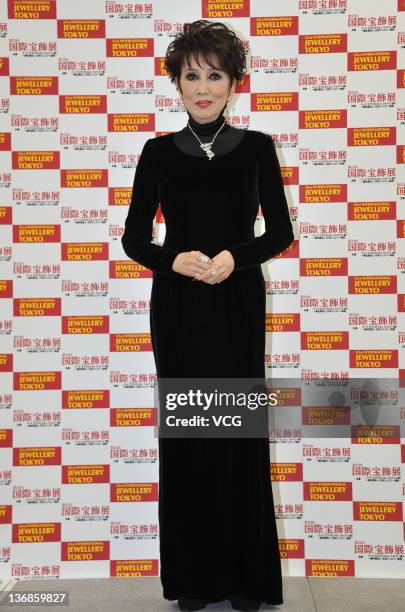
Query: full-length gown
x=218, y=534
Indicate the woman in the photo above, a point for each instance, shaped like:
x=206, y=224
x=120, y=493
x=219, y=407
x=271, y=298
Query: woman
x=218, y=537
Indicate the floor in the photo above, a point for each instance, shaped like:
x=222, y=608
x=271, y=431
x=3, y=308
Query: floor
x=144, y=595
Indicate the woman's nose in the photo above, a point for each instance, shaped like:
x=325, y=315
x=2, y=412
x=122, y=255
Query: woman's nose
x=203, y=86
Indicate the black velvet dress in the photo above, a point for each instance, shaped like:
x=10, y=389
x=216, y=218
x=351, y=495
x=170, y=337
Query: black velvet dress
x=218, y=533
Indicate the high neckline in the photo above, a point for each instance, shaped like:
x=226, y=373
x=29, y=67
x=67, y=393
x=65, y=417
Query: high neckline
x=210, y=128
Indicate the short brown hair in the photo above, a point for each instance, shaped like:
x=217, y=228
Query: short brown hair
x=206, y=39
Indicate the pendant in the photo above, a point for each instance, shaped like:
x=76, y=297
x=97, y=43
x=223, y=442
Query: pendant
x=206, y=147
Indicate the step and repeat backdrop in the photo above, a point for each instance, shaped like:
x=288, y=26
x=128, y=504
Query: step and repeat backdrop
x=82, y=87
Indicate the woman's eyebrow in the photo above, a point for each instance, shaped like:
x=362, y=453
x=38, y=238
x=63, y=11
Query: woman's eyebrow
x=196, y=69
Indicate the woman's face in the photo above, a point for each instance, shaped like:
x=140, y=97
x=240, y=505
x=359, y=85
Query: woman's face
x=198, y=83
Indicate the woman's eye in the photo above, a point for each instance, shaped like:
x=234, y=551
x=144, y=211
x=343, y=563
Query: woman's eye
x=191, y=74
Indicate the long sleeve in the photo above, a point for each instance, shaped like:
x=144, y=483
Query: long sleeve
x=278, y=234
x=137, y=237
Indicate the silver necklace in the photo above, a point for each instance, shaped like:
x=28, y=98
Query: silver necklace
x=206, y=146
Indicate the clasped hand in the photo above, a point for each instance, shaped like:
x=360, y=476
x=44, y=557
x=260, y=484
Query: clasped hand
x=188, y=263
